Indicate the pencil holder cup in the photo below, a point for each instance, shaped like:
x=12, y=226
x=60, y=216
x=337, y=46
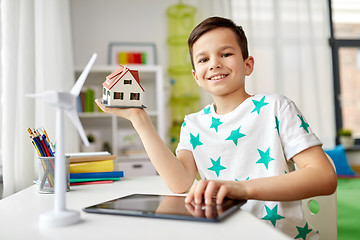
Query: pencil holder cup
x=46, y=174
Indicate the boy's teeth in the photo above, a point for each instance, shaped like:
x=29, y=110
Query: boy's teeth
x=217, y=77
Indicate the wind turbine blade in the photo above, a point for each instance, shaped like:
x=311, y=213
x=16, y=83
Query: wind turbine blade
x=76, y=121
x=75, y=91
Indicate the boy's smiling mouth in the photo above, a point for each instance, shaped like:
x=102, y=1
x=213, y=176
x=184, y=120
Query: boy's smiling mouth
x=218, y=77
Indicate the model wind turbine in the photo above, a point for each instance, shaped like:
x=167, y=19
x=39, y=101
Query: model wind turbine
x=64, y=102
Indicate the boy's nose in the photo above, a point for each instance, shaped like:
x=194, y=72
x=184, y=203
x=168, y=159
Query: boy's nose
x=215, y=64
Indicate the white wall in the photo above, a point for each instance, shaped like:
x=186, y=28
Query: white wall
x=96, y=23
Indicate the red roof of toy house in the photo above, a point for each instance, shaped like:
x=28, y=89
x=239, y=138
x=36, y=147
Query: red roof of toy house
x=114, y=77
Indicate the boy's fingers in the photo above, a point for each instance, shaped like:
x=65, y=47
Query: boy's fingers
x=223, y=191
x=210, y=192
x=190, y=196
x=97, y=101
x=199, y=191
x=196, y=192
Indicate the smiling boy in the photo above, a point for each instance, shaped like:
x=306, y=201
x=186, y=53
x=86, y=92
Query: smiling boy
x=243, y=146
x=220, y=68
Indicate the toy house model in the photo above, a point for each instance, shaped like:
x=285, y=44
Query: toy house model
x=122, y=89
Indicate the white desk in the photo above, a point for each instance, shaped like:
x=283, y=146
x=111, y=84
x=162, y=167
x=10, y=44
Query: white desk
x=20, y=212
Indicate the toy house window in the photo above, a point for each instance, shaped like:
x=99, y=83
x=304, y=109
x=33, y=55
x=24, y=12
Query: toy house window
x=119, y=95
x=127, y=81
x=104, y=93
x=108, y=93
x=134, y=96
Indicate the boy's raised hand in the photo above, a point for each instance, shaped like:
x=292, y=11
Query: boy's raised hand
x=127, y=113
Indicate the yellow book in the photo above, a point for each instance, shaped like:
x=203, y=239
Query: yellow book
x=91, y=158
x=93, y=166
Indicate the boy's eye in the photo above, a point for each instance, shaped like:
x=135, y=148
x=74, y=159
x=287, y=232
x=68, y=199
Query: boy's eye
x=202, y=60
x=226, y=55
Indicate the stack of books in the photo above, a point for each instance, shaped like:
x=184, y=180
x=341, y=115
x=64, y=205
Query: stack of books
x=93, y=168
x=86, y=100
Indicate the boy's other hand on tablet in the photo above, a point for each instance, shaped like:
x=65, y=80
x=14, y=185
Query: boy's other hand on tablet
x=206, y=190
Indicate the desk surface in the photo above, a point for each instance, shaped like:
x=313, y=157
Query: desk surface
x=19, y=214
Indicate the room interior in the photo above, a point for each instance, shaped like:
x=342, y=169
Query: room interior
x=290, y=41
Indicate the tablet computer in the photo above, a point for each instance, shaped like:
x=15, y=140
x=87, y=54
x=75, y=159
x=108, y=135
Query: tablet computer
x=166, y=206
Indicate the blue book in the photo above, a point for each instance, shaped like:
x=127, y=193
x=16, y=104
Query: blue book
x=113, y=174
x=78, y=104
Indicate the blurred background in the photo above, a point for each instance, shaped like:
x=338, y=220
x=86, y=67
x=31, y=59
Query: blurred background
x=306, y=50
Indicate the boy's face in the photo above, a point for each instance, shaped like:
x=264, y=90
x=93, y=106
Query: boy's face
x=219, y=65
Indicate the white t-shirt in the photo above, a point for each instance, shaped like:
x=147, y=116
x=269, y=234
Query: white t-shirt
x=256, y=140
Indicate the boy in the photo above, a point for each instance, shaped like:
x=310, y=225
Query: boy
x=243, y=145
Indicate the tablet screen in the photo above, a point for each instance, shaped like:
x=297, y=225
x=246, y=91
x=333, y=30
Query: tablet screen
x=166, y=206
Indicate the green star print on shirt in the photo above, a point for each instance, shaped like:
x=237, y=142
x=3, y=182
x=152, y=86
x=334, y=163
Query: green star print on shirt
x=215, y=122
x=272, y=215
x=235, y=135
x=304, y=124
x=259, y=105
x=277, y=124
x=195, y=141
x=303, y=231
x=216, y=167
x=207, y=110
x=265, y=157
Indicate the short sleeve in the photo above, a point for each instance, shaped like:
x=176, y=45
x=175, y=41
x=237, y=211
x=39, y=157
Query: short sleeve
x=295, y=132
x=184, y=142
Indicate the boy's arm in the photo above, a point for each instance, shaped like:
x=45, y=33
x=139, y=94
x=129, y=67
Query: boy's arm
x=178, y=172
x=315, y=176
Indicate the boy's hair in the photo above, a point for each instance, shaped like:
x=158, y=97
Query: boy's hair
x=212, y=23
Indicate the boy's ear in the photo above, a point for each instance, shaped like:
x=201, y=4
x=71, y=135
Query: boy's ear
x=195, y=77
x=249, y=65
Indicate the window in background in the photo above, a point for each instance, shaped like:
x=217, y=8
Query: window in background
x=289, y=41
x=0, y=115
x=0, y=145
x=349, y=66
x=345, y=44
